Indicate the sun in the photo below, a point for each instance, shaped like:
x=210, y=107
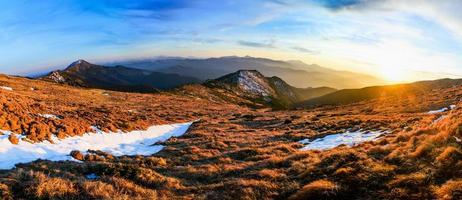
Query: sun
x=393, y=74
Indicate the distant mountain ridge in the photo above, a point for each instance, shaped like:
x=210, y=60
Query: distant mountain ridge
x=296, y=73
x=84, y=74
x=245, y=87
x=347, y=96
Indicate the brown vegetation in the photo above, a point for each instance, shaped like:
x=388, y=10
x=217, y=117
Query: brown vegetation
x=236, y=152
x=320, y=189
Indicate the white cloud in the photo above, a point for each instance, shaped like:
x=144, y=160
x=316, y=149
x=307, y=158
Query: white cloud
x=444, y=12
x=395, y=39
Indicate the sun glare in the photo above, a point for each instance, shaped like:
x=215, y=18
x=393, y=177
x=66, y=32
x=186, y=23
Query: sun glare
x=393, y=75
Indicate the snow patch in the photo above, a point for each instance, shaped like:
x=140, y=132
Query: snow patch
x=49, y=116
x=80, y=61
x=348, y=138
x=6, y=88
x=118, y=144
x=442, y=109
x=439, y=119
x=56, y=77
x=438, y=111
x=251, y=82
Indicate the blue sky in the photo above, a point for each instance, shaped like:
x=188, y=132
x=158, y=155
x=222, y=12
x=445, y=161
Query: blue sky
x=394, y=39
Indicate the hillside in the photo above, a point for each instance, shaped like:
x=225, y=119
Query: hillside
x=119, y=78
x=296, y=73
x=415, y=90
x=233, y=151
x=250, y=87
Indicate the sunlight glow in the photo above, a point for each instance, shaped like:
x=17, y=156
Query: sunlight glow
x=394, y=75
x=395, y=61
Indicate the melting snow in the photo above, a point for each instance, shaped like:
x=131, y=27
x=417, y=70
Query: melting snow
x=6, y=88
x=252, y=83
x=442, y=109
x=119, y=143
x=49, y=116
x=439, y=119
x=438, y=111
x=348, y=138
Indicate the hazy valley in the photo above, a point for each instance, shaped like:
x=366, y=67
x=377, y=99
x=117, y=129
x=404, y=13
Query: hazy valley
x=294, y=72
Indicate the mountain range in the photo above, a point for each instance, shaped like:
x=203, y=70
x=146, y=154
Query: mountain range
x=248, y=87
x=84, y=74
x=296, y=73
x=243, y=87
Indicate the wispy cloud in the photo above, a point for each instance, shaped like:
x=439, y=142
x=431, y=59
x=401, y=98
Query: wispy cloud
x=305, y=50
x=269, y=44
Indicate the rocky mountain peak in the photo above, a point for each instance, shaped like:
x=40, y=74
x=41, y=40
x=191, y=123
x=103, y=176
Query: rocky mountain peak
x=56, y=77
x=79, y=65
x=250, y=82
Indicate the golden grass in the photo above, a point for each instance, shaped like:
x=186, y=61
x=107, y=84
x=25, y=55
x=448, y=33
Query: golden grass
x=449, y=190
x=320, y=189
x=236, y=152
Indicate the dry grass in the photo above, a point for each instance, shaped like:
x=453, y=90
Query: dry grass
x=236, y=152
x=22, y=109
x=39, y=185
x=320, y=189
x=450, y=190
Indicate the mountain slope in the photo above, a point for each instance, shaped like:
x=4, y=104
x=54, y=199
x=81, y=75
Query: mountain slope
x=251, y=153
x=84, y=74
x=347, y=96
x=296, y=73
x=250, y=87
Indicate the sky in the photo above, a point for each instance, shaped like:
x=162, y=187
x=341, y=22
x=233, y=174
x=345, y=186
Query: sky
x=397, y=40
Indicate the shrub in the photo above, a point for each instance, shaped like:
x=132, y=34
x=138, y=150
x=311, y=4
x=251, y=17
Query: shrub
x=116, y=188
x=245, y=189
x=152, y=179
x=320, y=189
x=412, y=181
x=449, y=155
x=127, y=187
x=77, y=155
x=98, y=190
x=37, y=184
x=5, y=192
x=55, y=188
x=156, y=162
x=269, y=173
x=13, y=139
x=450, y=190
x=422, y=150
